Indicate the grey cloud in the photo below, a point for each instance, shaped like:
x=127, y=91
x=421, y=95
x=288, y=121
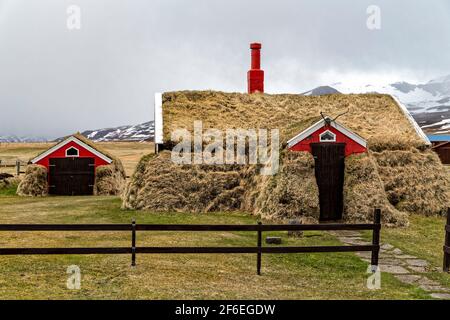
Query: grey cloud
x=54, y=81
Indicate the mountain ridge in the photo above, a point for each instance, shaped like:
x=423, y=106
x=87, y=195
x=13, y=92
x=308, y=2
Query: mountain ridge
x=140, y=132
x=428, y=103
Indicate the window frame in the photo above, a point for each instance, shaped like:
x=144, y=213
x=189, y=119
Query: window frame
x=324, y=133
x=72, y=156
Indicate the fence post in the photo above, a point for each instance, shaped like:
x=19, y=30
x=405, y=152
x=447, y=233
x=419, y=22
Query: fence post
x=133, y=242
x=376, y=237
x=18, y=167
x=258, y=258
x=447, y=244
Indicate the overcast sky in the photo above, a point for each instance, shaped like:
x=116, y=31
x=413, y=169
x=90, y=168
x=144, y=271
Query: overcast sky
x=54, y=81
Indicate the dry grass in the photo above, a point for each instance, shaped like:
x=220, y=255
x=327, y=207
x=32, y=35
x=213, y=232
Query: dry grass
x=375, y=117
x=34, y=183
x=285, y=196
x=10, y=152
x=161, y=185
x=110, y=179
x=364, y=191
x=129, y=153
x=414, y=181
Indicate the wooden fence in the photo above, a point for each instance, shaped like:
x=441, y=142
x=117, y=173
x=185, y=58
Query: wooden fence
x=13, y=164
x=258, y=249
x=447, y=244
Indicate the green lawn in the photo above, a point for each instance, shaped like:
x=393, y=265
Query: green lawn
x=291, y=276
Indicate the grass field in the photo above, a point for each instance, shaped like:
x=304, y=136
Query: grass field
x=292, y=276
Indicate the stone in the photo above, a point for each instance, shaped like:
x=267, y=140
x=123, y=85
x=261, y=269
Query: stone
x=393, y=269
x=431, y=285
x=387, y=246
x=417, y=262
x=437, y=288
x=295, y=234
x=426, y=281
x=408, y=278
x=273, y=240
x=392, y=261
x=386, y=255
x=405, y=256
x=365, y=254
x=417, y=269
x=346, y=233
x=353, y=241
x=397, y=251
x=443, y=296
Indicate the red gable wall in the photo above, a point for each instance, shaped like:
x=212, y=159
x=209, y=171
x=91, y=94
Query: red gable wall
x=350, y=145
x=61, y=153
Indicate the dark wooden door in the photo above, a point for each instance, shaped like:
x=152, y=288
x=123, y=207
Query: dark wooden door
x=71, y=176
x=329, y=169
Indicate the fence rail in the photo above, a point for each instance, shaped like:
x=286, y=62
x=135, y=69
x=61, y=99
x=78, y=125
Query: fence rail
x=447, y=244
x=258, y=250
x=14, y=164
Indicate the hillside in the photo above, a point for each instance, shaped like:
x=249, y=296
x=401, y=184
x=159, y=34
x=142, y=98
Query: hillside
x=140, y=132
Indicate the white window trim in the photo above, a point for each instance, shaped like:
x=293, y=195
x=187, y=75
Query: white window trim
x=325, y=132
x=158, y=119
x=321, y=123
x=71, y=156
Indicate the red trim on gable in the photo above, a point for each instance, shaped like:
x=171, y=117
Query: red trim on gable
x=351, y=146
x=61, y=153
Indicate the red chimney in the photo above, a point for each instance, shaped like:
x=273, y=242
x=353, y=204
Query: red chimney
x=255, y=76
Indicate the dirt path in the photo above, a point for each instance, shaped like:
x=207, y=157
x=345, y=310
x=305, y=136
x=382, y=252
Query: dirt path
x=406, y=268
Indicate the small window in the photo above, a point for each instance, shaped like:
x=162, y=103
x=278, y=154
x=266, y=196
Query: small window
x=327, y=136
x=72, y=152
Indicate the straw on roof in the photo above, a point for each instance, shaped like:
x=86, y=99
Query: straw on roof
x=398, y=174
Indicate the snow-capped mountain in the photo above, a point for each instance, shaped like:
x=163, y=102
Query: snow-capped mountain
x=429, y=103
x=13, y=138
x=140, y=132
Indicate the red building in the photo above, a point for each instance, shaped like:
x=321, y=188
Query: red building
x=329, y=142
x=327, y=131
x=71, y=165
x=443, y=150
